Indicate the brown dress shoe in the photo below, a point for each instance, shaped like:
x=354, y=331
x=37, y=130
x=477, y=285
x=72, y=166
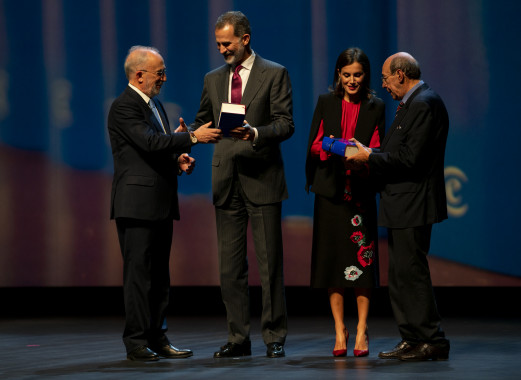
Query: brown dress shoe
x=400, y=349
x=143, y=354
x=170, y=352
x=426, y=351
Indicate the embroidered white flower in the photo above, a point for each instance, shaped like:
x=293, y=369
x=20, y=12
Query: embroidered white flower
x=352, y=273
x=356, y=221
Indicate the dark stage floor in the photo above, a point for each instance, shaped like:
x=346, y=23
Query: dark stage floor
x=90, y=348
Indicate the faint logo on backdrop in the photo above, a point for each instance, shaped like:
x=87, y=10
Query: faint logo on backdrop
x=4, y=100
x=455, y=178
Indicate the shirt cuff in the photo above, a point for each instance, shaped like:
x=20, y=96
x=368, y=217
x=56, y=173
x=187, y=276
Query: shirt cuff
x=254, y=142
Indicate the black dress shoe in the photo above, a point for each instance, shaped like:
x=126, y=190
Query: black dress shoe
x=275, y=350
x=401, y=348
x=426, y=351
x=231, y=350
x=143, y=354
x=170, y=352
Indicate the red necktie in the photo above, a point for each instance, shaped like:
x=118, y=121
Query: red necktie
x=236, y=86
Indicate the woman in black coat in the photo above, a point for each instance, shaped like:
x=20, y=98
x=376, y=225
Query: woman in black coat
x=345, y=238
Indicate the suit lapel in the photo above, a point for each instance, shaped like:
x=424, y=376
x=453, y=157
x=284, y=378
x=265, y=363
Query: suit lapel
x=162, y=115
x=336, y=118
x=400, y=116
x=362, y=130
x=222, y=85
x=254, y=81
x=253, y=86
x=148, y=111
x=153, y=118
x=394, y=126
x=331, y=119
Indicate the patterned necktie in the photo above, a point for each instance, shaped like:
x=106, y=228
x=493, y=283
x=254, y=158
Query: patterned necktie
x=236, y=95
x=152, y=105
x=400, y=106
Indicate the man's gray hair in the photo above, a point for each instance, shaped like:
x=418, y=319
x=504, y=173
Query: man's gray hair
x=407, y=64
x=137, y=56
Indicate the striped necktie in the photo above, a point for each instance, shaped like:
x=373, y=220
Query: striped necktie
x=400, y=106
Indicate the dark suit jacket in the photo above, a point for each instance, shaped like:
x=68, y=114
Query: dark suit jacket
x=269, y=108
x=410, y=165
x=145, y=160
x=328, y=178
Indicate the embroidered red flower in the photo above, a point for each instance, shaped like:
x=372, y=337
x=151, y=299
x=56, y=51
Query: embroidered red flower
x=357, y=237
x=366, y=255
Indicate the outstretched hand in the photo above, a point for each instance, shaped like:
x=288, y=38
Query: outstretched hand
x=182, y=126
x=206, y=135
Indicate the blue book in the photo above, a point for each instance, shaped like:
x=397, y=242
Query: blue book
x=231, y=116
x=342, y=147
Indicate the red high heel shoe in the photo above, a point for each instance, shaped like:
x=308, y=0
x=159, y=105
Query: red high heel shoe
x=342, y=352
x=361, y=353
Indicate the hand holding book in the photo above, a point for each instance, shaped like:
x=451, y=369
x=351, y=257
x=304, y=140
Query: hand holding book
x=359, y=159
x=231, y=117
x=245, y=132
x=356, y=154
x=339, y=146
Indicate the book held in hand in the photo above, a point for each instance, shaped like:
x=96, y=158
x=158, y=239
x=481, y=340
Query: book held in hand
x=231, y=116
x=342, y=147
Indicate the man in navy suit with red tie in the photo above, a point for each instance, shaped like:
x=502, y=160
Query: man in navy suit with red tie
x=410, y=170
x=147, y=160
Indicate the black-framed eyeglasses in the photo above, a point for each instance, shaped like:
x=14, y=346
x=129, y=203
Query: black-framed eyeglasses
x=160, y=73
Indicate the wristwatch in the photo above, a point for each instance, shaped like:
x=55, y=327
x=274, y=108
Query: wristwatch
x=193, y=138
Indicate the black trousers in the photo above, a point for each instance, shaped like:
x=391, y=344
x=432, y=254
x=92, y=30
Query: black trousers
x=145, y=247
x=232, y=222
x=410, y=286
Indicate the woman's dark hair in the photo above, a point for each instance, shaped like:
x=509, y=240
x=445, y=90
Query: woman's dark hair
x=348, y=57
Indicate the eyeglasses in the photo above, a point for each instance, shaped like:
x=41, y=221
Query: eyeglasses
x=384, y=77
x=160, y=73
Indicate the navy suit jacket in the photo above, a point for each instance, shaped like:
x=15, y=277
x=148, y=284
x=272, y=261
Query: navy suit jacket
x=269, y=108
x=145, y=160
x=410, y=165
